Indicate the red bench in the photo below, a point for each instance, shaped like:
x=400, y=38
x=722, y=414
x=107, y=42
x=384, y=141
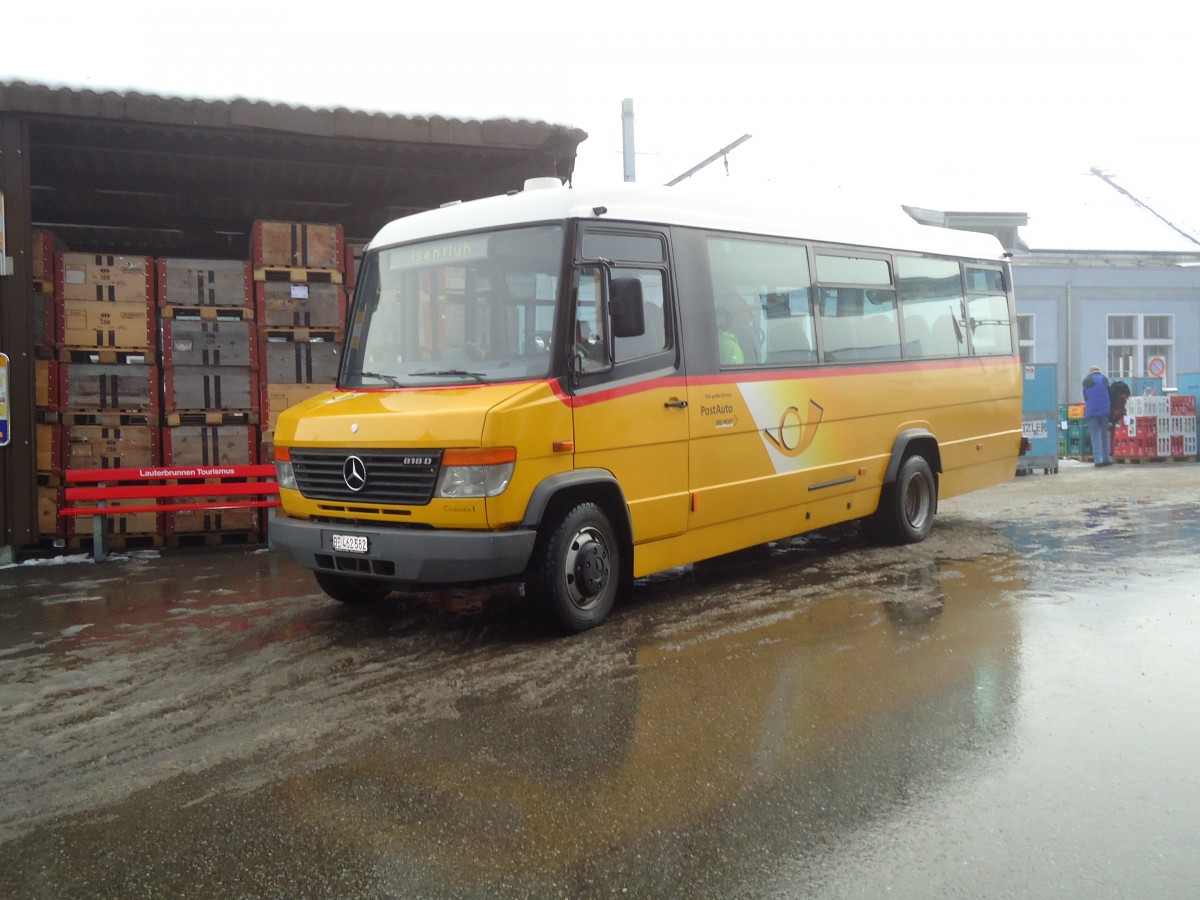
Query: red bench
x=165, y=489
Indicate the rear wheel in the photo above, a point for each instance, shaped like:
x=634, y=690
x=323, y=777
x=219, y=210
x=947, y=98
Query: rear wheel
x=907, y=505
x=351, y=590
x=576, y=573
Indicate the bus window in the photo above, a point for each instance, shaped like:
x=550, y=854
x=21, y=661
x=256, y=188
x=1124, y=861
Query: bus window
x=642, y=248
x=655, y=337
x=590, y=328
x=931, y=298
x=857, y=323
x=764, y=302
x=991, y=324
x=852, y=270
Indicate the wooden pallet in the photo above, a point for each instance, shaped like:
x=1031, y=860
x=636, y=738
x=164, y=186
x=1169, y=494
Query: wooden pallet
x=277, y=335
x=208, y=313
x=297, y=274
x=214, y=538
x=211, y=417
x=83, y=542
x=111, y=418
x=1152, y=460
x=108, y=356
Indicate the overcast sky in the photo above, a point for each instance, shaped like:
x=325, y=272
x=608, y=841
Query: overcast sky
x=881, y=96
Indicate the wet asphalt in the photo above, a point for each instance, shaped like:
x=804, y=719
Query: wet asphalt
x=1007, y=709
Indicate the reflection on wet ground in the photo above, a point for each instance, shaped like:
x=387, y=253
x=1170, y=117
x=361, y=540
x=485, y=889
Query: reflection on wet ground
x=740, y=727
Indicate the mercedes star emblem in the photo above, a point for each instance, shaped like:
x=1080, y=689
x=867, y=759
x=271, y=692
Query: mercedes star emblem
x=354, y=473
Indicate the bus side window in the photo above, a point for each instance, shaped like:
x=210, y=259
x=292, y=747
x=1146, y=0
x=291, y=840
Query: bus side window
x=931, y=301
x=991, y=326
x=654, y=338
x=590, y=330
x=762, y=292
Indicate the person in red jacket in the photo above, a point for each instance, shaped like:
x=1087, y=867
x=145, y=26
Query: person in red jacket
x=1097, y=409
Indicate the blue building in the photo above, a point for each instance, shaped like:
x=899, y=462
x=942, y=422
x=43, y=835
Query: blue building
x=1102, y=275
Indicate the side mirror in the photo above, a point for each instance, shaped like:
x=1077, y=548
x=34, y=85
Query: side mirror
x=626, y=307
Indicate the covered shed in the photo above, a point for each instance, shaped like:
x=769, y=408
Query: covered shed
x=165, y=176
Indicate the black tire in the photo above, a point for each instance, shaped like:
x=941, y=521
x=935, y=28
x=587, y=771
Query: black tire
x=907, y=505
x=577, y=570
x=353, y=591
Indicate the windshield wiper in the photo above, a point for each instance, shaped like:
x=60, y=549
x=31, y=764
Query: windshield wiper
x=390, y=379
x=459, y=373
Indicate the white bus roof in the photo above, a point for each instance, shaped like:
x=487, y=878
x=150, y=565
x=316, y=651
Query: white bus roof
x=888, y=228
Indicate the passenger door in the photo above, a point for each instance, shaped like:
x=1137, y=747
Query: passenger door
x=628, y=395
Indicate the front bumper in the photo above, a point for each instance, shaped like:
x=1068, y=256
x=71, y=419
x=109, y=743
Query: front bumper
x=410, y=556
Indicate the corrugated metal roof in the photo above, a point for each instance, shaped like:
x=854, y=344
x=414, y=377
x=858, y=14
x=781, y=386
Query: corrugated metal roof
x=238, y=113
x=133, y=172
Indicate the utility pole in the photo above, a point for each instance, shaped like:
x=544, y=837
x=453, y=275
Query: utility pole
x=627, y=137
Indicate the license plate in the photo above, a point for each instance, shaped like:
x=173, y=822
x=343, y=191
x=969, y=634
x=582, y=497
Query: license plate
x=350, y=543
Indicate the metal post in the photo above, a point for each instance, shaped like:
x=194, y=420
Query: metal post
x=627, y=137
x=98, y=531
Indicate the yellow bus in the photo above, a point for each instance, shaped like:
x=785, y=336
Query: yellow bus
x=575, y=388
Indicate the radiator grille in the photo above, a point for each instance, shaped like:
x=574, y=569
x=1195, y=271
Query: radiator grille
x=403, y=477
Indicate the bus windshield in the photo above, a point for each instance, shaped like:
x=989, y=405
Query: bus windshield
x=473, y=308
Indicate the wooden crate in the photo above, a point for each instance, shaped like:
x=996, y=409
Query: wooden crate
x=213, y=521
x=210, y=445
x=282, y=304
x=303, y=245
x=104, y=277
x=119, y=325
x=45, y=383
x=49, y=500
x=45, y=318
x=103, y=447
x=278, y=397
x=196, y=342
x=49, y=447
x=46, y=246
x=353, y=252
x=230, y=388
x=204, y=282
x=99, y=386
x=121, y=530
x=300, y=362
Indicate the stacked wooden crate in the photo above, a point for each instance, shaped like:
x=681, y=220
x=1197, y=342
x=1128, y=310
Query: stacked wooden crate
x=301, y=310
x=48, y=424
x=108, y=379
x=210, y=386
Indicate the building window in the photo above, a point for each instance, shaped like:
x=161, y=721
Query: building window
x=1025, y=339
x=1138, y=346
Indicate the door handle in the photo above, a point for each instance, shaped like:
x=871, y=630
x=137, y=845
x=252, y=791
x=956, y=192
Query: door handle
x=675, y=404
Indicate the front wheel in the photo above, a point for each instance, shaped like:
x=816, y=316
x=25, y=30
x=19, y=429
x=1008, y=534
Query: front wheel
x=576, y=572
x=907, y=505
x=351, y=590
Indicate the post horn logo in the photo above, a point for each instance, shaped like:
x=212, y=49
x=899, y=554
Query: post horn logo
x=794, y=435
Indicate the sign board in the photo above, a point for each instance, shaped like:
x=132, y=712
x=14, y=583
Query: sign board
x=1034, y=430
x=5, y=434
x=1156, y=367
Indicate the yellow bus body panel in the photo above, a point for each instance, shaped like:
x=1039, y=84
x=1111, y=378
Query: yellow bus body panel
x=527, y=416
x=754, y=456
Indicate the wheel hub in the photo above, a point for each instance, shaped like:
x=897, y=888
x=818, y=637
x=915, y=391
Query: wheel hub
x=589, y=566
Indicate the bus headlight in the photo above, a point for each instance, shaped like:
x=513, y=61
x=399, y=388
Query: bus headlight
x=284, y=473
x=476, y=473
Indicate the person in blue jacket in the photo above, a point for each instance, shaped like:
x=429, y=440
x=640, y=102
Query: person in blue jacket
x=1097, y=408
